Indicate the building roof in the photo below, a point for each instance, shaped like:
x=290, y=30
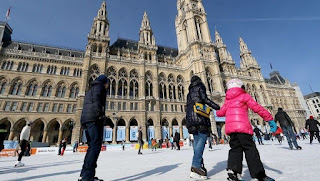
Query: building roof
x=133, y=45
x=43, y=49
x=314, y=94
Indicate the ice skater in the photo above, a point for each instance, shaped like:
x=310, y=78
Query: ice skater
x=123, y=144
x=239, y=128
x=286, y=126
x=198, y=124
x=24, y=138
x=172, y=143
x=92, y=121
x=64, y=145
x=140, y=140
x=177, y=139
x=312, y=126
x=257, y=131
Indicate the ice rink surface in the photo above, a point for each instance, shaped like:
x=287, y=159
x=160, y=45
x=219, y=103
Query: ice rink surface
x=279, y=161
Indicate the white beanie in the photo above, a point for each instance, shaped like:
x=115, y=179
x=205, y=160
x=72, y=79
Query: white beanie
x=234, y=83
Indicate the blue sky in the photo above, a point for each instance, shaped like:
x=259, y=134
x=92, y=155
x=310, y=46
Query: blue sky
x=285, y=33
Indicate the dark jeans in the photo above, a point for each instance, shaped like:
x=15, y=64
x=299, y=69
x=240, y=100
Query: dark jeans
x=140, y=146
x=259, y=139
x=291, y=137
x=178, y=145
x=239, y=143
x=23, y=145
x=312, y=133
x=199, y=143
x=94, y=134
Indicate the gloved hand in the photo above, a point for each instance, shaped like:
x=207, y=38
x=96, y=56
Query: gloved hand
x=273, y=126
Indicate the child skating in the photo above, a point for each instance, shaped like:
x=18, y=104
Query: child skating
x=239, y=128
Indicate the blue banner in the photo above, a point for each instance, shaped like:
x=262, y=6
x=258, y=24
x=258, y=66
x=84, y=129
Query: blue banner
x=107, y=134
x=10, y=144
x=165, y=132
x=150, y=132
x=133, y=133
x=185, y=132
x=121, y=133
x=218, y=119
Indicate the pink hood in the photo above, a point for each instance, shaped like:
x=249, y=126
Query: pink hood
x=235, y=109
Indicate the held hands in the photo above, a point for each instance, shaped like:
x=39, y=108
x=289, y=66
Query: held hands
x=273, y=126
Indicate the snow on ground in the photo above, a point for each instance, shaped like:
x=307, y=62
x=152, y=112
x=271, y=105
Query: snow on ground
x=166, y=164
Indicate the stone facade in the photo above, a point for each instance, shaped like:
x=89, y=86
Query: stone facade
x=149, y=83
x=313, y=102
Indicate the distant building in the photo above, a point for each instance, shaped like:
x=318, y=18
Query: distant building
x=149, y=82
x=313, y=102
x=302, y=101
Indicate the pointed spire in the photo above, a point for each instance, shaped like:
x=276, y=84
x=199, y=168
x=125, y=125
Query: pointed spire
x=218, y=39
x=100, y=26
x=102, y=13
x=243, y=46
x=145, y=24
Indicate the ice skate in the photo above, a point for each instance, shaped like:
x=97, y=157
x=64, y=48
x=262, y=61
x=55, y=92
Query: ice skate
x=299, y=148
x=94, y=179
x=19, y=164
x=233, y=176
x=198, y=173
x=264, y=179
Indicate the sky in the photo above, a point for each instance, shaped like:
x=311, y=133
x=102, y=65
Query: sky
x=284, y=33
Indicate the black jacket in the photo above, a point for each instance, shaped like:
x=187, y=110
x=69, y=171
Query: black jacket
x=94, y=103
x=139, y=135
x=283, y=118
x=311, y=125
x=197, y=94
x=177, y=137
x=257, y=131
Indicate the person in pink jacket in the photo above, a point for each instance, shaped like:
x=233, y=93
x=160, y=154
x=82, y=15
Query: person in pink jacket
x=239, y=128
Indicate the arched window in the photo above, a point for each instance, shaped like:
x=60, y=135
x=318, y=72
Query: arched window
x=162, y=86
x=94, y=73
x=111, y=73
x=16, y=87
x=209, y=80
x=198, y=22
x=61, y=91
x=32, y=89
x=74, y=91
x=46, y=90
x=172, y=87
x=3, y=84
x=149, y=87
x=134, y=85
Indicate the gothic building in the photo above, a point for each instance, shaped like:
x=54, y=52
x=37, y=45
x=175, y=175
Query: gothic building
x=148, y=87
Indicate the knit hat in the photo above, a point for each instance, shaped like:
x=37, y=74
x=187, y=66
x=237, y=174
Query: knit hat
x=234, y=83
x=311, y=117
x=103, y=79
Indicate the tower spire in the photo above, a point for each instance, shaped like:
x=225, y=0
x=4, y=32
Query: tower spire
x=246, y=57
x=218, y=39
x=100, y=26
x=146, y=34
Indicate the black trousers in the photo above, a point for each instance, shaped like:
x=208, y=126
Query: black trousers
x=178, y=145
x=259, y=139
x=94, y=133
x=312, y=133
x=23, y=145
x=239, y=143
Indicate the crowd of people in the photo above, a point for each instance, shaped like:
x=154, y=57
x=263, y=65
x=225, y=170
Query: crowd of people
x=239, y=132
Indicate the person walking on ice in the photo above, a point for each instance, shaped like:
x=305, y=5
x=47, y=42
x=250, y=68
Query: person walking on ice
x=239, y=128
x=198, y=124
x=286, y=126
x=312, y=126
x=24, y=138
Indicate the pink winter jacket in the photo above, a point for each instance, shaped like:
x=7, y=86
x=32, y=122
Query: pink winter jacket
x=235, y=109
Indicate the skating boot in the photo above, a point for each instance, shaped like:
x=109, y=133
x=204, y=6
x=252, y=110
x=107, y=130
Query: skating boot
x=94, y=179
x=266, y=178
x=233, y=176
x=198, y=173
x=19, y=164
x=299, y=148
